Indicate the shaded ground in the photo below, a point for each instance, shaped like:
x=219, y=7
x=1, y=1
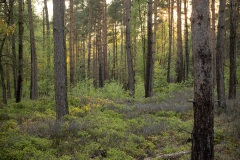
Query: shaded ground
x=99, y=128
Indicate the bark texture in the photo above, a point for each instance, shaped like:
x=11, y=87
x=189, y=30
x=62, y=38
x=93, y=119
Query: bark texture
x=20, y=51
x=233, y=50
x=219, y=56
x=131, y=84
x=60, y=69
x=34, y=71
x=149, y=62
x=203, y=133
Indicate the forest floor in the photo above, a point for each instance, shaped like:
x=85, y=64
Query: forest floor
x=112, y=129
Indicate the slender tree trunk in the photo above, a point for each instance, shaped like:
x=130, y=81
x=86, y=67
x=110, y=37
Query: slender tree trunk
x=149, y=63
x=219, y=56
x=213, y=42
x=8, y=86
x=83, y=60
x=43, y=31
x=170, y=19
x=14, y=57
x=104, y=41
x=48, y=33
x=179, y=68
x=20, y=52
x=203, y=129
x=142, y=26
x=60, y=67
x=72, y=72
x=34, y=70
x=4, y=91
x=233, y=50
x=131, y=82
x=186, y=39
x=89, y=37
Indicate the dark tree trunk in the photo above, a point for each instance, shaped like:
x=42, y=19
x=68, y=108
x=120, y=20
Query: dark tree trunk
x=233, y=50
x=170, y=21
x=179, y=68
x=60, y=67
x=149, y=62
x=20, y=52
x=203, y=132
x=104, y=41
x=8, y=85
x=89, y=37
x=48, y=33
x=34, y=71
x=72, y=68
x=14, y=57
x=213, y=43
x=220, y=48
x=4, y=91
x=131, y=82
x=186, y=39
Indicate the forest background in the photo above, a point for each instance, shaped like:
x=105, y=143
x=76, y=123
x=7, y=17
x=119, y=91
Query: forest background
x=116, y=64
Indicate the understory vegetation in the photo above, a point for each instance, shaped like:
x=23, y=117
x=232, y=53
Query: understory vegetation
x=107, y=124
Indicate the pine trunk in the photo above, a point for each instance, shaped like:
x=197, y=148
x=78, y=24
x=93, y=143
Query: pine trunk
x=203, y=129
x=220, y=48
x=233, y=50
x=34, y=71
x=60, y=67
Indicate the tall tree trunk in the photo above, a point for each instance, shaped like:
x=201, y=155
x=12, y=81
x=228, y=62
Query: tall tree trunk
x=179, y=68
x=72, y=72
x=233, y=50
x=48, y=33
x=186, y=38
x=8, y=84
x=131, y=82
x=170, y=21
x=89, y=37
x=34, y=70
x=43, y=31
x=20, y=52
x=104, y=41
x=60, y=67
x=219, y=56
x=203, y=129
x=142, y=26
x=83, y=60
x=4, y=91
x=213, y=43
x=149, y=63
x=14, y=59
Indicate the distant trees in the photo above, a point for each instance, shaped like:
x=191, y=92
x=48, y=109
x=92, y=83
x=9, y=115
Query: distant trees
x=202, y=136
x=60, y=67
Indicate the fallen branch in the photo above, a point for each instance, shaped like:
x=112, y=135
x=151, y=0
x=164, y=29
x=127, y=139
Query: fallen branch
x=170, y=156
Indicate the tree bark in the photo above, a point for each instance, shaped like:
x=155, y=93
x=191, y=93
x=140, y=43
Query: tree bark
x=72, y=68
x=14, y=59
x=149, y=62
x=89, y=37
x=203, y=129
x=48, y=33
x=60, y=68
x=170, y=21
x=179, y=44
x=4, y=91
x=34, y=70
x=131, y=82
x=186, y=39
x=213, y=42
x=20, y=52
x=219, y=56
x=233, y=50
x=104, y=41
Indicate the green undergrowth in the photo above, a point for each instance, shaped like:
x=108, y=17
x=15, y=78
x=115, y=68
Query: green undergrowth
x=105, y=127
